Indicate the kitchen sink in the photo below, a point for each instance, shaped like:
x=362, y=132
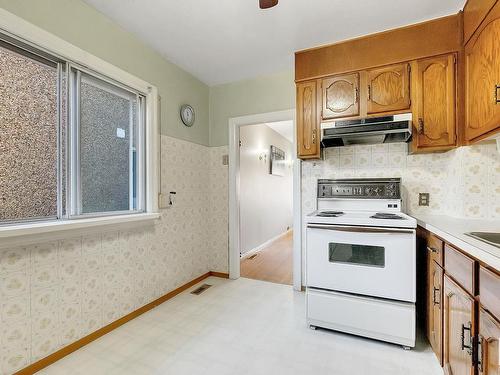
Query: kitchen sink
x=488, y=237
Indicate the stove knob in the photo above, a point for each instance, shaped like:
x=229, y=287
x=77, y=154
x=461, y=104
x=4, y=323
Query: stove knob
x=368, y=191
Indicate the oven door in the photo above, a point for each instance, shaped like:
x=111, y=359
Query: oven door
x=371, y=261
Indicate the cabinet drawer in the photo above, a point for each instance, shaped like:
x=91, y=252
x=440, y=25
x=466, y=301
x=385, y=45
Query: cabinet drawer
x=489, y=291
x=435, y=249
x=460, y=267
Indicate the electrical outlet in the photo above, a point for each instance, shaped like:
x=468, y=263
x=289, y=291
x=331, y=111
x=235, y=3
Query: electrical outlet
x=423, y=199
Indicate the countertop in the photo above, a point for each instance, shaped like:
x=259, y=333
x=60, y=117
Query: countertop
x=452, y=230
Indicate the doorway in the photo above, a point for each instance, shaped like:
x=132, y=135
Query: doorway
x=235, y=239
x=265, y=200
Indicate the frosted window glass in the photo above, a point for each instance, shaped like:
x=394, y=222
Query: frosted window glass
x=28, y=137
x=107, y=147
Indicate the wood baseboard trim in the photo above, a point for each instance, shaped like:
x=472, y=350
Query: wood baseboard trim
x=61, y=353
x=222, y=275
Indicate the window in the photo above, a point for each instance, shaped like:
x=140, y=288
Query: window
x=28, y=136
x=107, y=139
x=72, y=141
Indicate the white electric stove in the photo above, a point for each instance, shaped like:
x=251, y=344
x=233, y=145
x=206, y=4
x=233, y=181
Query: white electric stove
x=361, y=260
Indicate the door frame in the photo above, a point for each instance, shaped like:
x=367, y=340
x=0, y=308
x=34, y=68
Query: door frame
x=234, y=191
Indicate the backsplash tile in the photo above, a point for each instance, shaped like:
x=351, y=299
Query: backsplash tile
x=464, y=182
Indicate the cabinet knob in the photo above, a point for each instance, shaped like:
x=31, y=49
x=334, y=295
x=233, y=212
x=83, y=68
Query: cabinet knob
x=420, y=126
x=434, y=299
x=467, y=347
x=432, y=250
x=480, y=353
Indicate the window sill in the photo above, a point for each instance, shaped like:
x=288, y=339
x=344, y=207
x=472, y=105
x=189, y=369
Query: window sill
x=28, y=229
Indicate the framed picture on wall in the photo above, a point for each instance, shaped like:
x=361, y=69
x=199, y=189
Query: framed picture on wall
x=278, y=163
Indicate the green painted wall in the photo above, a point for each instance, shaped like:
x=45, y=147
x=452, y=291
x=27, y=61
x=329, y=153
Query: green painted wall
x=264, y=94
x=85, y=27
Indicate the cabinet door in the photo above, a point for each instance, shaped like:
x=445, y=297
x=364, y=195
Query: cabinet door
x=489, y=348
x=340, y=96
x=307, y=121
x=482, y=81
x=458, y=329
x=389, y=89
x=434, y=304
x=434, y=110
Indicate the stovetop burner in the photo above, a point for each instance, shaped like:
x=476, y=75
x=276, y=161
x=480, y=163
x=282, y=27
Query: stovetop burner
x=330, y=213
x=386, y=215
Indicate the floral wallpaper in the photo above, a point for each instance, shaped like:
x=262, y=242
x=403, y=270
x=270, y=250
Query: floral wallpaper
x=55, y=292
x=464, y=182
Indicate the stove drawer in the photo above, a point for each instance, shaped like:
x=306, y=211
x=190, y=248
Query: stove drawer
x=369, y=317
x=370, y=261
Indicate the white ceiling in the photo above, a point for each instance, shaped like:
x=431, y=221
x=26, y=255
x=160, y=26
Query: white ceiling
x=285, y=128
x=221, y=41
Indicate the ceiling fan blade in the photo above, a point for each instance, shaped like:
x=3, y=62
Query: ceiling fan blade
x=264, y=4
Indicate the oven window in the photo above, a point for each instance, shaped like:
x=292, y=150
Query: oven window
x=356, y=254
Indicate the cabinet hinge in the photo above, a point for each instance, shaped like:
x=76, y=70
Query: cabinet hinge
x=455, y=59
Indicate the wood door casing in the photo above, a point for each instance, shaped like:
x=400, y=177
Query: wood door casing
x=489, y=348
x=482, y=78
x=434, y=107
x=340, y=96
x=457, y=317
x=307, y=121
x=389, y=88
x=434, y=306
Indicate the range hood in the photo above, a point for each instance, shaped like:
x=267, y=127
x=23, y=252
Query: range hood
x=373, y=130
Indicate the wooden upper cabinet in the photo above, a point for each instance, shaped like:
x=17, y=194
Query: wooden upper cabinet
x=308, y=146
x=340, y=96
x=458, y=329
x=482, y=78
x=434, y=109
x=474, y=13
x=389, y=88
x=489, y=348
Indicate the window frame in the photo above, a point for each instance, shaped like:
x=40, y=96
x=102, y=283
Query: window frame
x=73, y=157
x=38, y=42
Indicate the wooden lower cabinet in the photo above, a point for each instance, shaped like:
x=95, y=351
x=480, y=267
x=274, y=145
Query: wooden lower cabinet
x=458, y=330
x=434, y=307
x=489, y=348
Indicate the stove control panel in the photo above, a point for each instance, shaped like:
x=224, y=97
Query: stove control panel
x=360, y=188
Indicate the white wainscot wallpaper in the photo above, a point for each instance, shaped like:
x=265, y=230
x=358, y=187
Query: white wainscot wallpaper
x=55, y=292
x=464, y=182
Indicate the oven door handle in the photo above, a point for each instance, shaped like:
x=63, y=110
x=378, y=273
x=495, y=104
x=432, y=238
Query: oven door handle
x=359, y=229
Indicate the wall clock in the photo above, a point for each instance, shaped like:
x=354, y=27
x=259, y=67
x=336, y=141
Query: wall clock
x=187, y=115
